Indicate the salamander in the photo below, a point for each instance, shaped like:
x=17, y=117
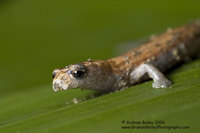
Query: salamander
x=147, y=61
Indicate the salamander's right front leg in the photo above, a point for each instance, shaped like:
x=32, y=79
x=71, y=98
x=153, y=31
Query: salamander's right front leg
x=160, y=81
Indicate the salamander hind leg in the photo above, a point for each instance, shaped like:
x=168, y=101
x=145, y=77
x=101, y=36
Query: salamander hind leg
x=160, y=81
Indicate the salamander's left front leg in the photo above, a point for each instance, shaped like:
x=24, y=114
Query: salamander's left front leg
x=160, y=81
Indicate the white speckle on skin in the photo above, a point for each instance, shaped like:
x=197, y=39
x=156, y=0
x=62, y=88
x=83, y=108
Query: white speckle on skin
x=127, y=59
x=71, y=76
x=127, y=69
x=175, y=54
x=65, y=86
x=148, y=60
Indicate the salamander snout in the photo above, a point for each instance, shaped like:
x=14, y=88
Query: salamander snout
x=72, y=76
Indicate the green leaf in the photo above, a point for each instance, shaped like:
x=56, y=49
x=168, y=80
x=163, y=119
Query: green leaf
x=41, y=110
x=37, y=36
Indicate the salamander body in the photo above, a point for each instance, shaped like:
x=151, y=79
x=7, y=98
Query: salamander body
x=147, y=61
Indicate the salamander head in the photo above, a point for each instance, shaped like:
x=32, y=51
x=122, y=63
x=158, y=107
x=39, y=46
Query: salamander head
x=95, y=75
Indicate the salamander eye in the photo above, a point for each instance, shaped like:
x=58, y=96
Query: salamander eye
x=79, y=73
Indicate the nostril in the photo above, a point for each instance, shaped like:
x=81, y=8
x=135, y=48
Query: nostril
x=54, y=74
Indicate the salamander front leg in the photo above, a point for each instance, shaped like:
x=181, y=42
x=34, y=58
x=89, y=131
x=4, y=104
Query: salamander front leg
x=160, y=81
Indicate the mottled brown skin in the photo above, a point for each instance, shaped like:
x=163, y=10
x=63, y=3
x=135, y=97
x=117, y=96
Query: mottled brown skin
x=162, y=52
